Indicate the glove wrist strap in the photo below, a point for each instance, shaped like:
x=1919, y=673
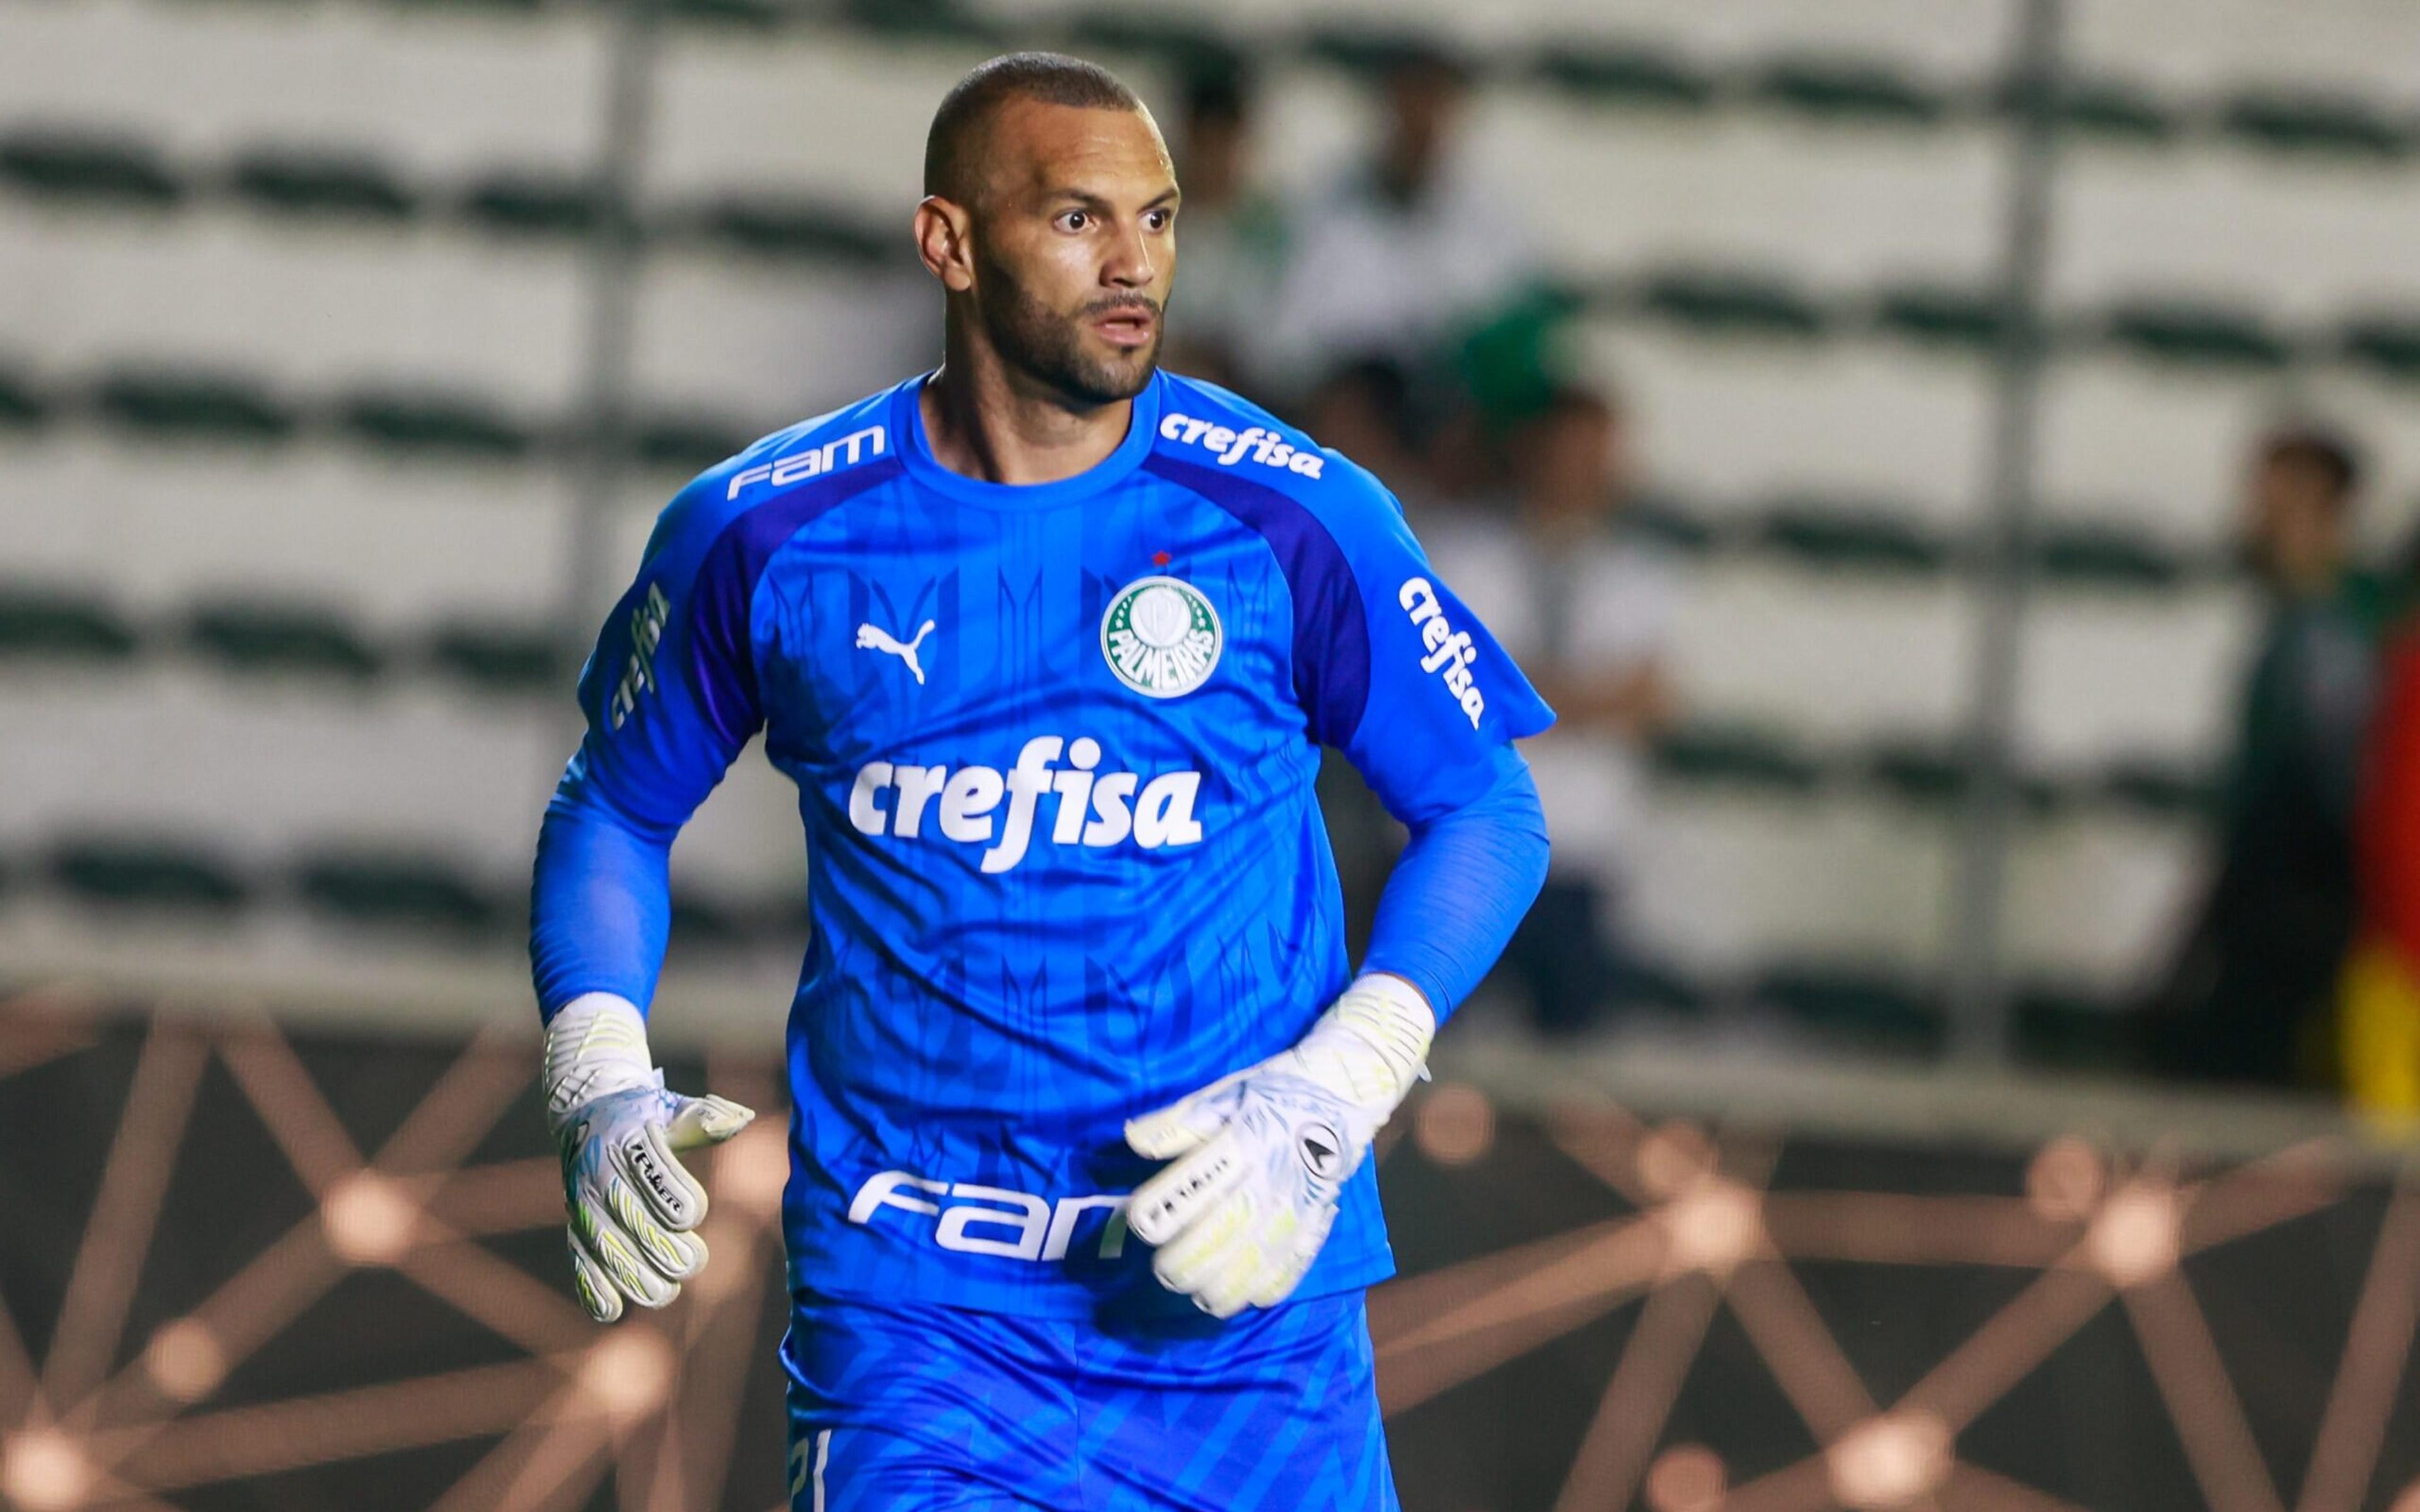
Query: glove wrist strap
x=1374, y=1041
x=596, y=1045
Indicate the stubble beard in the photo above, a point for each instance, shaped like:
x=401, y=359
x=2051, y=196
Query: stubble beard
x=1048, y=346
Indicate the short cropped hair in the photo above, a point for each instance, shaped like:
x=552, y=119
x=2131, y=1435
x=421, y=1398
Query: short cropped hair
x=952, y=145
x=2315, y=445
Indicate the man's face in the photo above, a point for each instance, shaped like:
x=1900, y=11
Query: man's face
x=2295, y=530
x=1073, y=240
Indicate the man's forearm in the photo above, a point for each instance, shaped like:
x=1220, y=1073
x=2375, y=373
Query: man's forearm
x=1460, y=889
x=600, y=905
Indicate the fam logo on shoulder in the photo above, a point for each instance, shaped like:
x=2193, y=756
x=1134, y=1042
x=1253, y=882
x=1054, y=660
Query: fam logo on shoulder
x=1161, y=636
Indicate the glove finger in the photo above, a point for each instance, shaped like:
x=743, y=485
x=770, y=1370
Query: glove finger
x=642, y=1156
x=1160, y=1209
x=1187, y=1123
x=1183, y=1262
x=1280, y=1281
x=673, y=1255
x=1230, y=1285
x=617, y=1254
x=596, y=1293
x=705, y=1120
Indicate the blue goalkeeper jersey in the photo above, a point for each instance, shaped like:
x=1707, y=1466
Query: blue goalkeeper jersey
x=1055, y=748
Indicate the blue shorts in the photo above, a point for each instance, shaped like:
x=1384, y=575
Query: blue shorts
x=919, y=1408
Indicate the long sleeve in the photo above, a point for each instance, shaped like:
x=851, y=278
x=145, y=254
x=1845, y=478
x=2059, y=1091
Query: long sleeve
x=1461, y=887
x=671, y=698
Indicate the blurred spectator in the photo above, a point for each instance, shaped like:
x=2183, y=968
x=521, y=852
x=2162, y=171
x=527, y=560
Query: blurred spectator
x=1231, y=237
x=2247, y=997
x=1587, y=613
x=1404, y=252
x=1364, y=409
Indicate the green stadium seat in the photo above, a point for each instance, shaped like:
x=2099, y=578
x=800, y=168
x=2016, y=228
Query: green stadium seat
x=2071, y=1027
x=1933, y=772
x=22, y=406
x=193, y=405
x=1941, y=315
x=68, y=164
x=2178, y=331
x=433, y=422
x=2093, y=556
x=1666, y=523
x=1173, y=42
x=362, y=886
x=759, y=14
x=1849, y=90
x=1737, y=756
x=136, y=872
x=498, y=658
x=769, y=227
x=1630, y=78
x=255, y=638
x=1373, y=50
x=686, y=443
x=1851, y=537
x=1870, y=1006
x=2157, y=789
x=2389, y=345
x=1731, y=303
x=534, y=205
x=923, y=18
x=697, y=921
x=2278, y=121
x=303, y=182
x=38, y=624
x=2108, y=109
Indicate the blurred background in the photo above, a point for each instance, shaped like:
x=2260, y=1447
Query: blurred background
x=1953, y=463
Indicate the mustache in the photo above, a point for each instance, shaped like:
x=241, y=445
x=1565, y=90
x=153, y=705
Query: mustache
x=1121, y=302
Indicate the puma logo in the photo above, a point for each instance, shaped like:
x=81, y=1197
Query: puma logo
x=871, y=637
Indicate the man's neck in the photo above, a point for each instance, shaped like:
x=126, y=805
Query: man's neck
x=981, y=423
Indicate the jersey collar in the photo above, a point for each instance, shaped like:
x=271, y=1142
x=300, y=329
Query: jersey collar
x=907, y=421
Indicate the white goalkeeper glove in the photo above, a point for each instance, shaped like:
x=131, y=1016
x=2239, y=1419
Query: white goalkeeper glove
x=630, y=1205
x=1266, y=1151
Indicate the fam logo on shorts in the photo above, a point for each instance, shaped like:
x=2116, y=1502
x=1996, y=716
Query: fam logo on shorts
x=1161, y=636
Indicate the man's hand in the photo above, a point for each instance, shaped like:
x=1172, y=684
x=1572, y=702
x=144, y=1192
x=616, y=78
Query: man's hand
x=1267, y=1150
x=630, y=1205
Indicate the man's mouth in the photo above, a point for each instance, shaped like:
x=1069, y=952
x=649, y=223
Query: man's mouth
x=1128, y=326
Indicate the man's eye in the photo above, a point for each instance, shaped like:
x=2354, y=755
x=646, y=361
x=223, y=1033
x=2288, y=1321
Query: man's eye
x=1158, y=219
x=1074, y=221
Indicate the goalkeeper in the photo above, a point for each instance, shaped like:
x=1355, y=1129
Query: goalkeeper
x=1081, y=1213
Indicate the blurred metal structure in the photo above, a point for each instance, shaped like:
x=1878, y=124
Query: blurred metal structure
x=1979, y=991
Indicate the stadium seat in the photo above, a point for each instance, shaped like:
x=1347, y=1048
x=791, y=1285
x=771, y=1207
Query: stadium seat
x=1849, y=90
x=2093, y=898
x=1635, y=77
x=2388, y=342
x=2183, y=330
x=2110, y=676
x=1940, y=315
x=293, y=181
x=499, y=659
x=187, y=404
x=2333, y=48
x=1743, y=756
x=24, y=406
x=433, y=422
x=1834, y=536
x=2313, y=122
x=777, y=226
x=46, y=623
x=1839, y=657
x=281, y=640
x=2154, y=449
x=521, y=203
x=143, y=873
x=301, y=307
x=371, y=887
x=1722, y=303
x=67, y=163
x=1731, y=425
x=441, y=92
x=1871, y=1006
x=400, y=546
x=2083, y=554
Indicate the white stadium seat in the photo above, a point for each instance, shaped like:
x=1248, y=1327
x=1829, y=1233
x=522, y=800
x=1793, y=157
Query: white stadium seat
x=2111, y=677
x=2156, y=449
x=1835, y=657
x=2094, y=900
x=1735, y=422
x=154, y=528
x=2347, y=44
x=307, y=307
x=441, y=92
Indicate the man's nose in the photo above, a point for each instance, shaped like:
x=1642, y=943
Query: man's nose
x=1129, y=264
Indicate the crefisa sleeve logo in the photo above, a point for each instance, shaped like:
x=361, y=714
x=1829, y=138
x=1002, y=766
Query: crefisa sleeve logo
x=1161, y=636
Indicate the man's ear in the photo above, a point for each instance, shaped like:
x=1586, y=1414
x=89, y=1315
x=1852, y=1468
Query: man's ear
x=943, y=243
